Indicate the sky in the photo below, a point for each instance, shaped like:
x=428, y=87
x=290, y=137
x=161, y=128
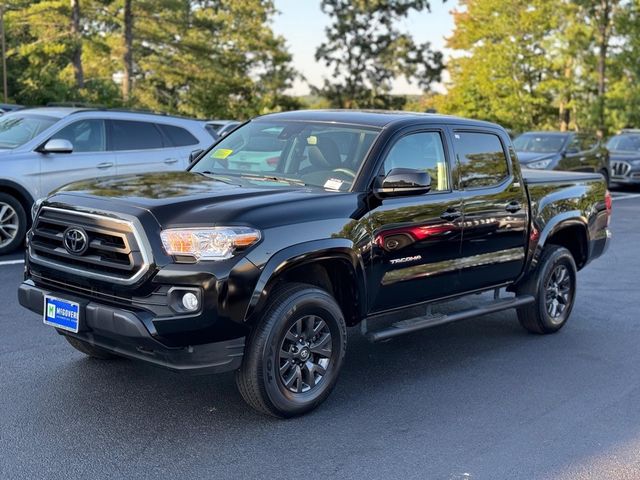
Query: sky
x=302, y=24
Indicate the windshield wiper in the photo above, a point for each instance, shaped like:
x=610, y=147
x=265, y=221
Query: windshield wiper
x=274, y=178
x=266, y=178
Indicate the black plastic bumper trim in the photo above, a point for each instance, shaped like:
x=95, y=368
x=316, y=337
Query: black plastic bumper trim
x=122, y=332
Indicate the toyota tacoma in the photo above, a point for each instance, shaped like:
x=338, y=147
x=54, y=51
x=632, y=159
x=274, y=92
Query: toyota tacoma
x=298, y=225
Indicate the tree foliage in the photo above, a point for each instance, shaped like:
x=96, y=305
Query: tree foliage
x=545, y=64
x=365, y=51
x=205, y=58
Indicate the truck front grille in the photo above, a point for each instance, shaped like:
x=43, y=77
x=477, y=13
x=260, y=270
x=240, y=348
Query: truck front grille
x=620, y=169
x=108, y=248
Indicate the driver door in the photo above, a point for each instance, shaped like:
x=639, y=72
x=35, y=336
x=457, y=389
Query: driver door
x=88, y=160
x=417, y=239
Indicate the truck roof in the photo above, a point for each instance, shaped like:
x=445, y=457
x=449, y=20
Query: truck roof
x=373, y=118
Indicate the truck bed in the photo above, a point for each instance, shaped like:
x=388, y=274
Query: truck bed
x=532, y=176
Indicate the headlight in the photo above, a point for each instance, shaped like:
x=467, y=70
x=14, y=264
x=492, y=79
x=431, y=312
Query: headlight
x=539, y=164
x=35, y=207
x=215, y=243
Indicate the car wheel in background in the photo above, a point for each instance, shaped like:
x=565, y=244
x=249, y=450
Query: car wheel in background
x=13, y=223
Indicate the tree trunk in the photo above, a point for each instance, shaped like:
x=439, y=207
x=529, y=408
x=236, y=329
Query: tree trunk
x=77, y=37
x=603, y=46
x=128, y=51
x=565, y=111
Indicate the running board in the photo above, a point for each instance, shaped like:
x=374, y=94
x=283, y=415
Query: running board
x=420, y=323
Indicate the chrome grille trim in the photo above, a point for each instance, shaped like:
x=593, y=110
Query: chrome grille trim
x=131, y=223
x=620, y=169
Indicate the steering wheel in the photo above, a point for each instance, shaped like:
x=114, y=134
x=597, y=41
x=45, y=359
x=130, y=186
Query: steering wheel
x=345, y=171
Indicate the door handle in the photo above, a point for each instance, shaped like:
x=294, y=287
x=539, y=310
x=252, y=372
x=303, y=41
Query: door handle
x=513, y=207
x=104, y=165
x=170, y=160
x=450, y=215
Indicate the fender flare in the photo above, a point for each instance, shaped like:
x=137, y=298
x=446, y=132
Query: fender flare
x=306, y=253
x=571, y=218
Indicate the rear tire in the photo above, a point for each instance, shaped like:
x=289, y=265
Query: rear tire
x=13, y=223
x=295, y=352
x=553, y=284
x=90, y=350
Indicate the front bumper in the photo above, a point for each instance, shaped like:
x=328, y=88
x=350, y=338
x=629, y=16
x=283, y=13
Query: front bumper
x=124, y=333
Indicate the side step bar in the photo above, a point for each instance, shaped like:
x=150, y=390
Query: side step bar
x=420, y=323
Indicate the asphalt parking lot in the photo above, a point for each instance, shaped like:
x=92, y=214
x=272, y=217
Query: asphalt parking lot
x=480, y=399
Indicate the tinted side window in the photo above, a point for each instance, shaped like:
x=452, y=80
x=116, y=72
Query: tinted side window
x=420, y=151
x=588, y=142
x=482, y=159
x=129, y=135
x=574, y=145
x=178, y=137
x=85, y=135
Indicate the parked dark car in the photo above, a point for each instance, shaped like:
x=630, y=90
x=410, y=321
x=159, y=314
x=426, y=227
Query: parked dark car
x=570, y=151
x=225, y=267
x=624, y=150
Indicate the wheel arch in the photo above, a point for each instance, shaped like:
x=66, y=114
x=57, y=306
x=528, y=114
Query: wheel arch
x=569, y=230
x=332, y=264
x=20, y=193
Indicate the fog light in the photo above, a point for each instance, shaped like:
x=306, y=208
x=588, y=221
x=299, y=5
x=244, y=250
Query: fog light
x=190, y=302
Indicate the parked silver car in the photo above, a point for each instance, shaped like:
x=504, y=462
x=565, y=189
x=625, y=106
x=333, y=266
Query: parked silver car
x=42, y=149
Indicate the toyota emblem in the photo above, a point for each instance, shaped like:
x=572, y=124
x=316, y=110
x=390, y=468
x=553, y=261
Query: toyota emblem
x=75, y=240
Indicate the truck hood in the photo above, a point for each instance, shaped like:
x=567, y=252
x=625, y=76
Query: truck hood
x=623, y=156
x=190, y=199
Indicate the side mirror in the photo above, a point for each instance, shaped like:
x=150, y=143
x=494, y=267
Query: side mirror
x=193, y=156
x=401, y=182
x=57, y=145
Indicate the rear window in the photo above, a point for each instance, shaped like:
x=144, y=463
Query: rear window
x=131, y=135
x=483, y=162
x=177, y=136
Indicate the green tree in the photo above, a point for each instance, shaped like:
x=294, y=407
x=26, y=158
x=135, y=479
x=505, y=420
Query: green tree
x=623, y=96
x=503, y=71
x=365, y=52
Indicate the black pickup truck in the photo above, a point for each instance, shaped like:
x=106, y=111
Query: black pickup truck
x=298, y=225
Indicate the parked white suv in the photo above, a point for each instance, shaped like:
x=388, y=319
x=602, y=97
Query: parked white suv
x=42, y=149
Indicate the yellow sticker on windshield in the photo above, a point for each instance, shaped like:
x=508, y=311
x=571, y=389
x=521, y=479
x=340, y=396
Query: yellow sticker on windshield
x=312, y=140
x=221, y=153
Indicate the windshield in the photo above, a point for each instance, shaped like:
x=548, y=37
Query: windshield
x=281, y=153
x=625, y=142
x=18, y=128
x=539, y=143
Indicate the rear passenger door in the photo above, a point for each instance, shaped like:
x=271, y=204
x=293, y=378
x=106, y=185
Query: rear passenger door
x=495, y=209
x=141, y=147
x=179, y=143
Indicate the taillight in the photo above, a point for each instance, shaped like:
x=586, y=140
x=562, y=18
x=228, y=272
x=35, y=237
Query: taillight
x=608, y=202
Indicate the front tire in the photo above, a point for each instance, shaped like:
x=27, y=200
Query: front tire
x=294, y=355
x=553, y=284
x=13, y=223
